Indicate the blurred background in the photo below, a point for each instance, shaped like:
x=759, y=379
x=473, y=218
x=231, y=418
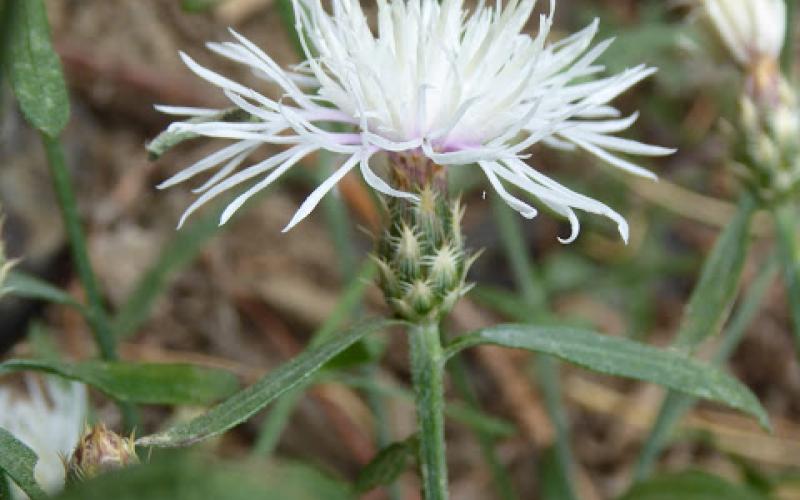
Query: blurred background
x=247, y=297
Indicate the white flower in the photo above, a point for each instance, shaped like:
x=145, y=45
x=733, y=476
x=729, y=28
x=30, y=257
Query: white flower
x=48, y=418
x=457, y=87
x=751, y=29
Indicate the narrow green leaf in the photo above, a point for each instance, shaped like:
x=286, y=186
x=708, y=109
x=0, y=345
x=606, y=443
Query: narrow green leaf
x=786, y=227
x=676, y=404
x=198, y=5
x=168, y=139
x=350, y=298
x=690, y=485
x=31, y=287
x=621, y=357
x=556, y=483
x=5, y=487
x=34, y=68
x=387, y=465
x=248, y=402
x=179, y=252
x=717, y=288
x=150, y=383
x=18, y=462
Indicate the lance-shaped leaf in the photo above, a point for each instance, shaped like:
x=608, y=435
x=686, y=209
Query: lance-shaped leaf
x=31, y=287
x=18, y=462
x=676, y=404
x=34, y=68
x=148, y=383
x=621, y=357
x=713, y=296
x=248, y=402
x=387, y=465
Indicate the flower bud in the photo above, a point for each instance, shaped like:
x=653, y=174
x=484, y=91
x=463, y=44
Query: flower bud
x=767, y=145
x=753, y=31
x=100, y=450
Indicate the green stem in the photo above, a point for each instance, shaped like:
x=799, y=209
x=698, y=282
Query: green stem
x=787, y=57
x=98, y=320
x=95, y=311
x=787, y=236
x=427, y=373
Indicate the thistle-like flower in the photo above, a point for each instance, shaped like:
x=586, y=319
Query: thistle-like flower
x=434, y=81
x=47, y=417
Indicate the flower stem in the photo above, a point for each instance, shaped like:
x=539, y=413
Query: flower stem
x=427, y=373
x=97, y=317
x=96, y=313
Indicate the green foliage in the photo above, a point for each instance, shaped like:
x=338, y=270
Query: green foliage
x=621, y=357
x=718, y=286
x=248, y=402
x=18, y=462
x=198, y=5
x=34, y=68
x=555, y=485
x=177, y=477
x=168, y=139
x=150, y=383
x=786, y=225
x=690, y=485
x=387, y=465
x=31, y=287
x=675, y=405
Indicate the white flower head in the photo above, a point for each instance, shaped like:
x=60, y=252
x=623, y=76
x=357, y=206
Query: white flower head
x=752, y=30
x=48, y=418
x=458, y=87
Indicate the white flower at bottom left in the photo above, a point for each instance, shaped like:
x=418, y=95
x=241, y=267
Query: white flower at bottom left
x=48, y=415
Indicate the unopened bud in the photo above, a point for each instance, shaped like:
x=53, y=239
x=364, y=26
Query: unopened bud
x=768, y=144
x=753, y=31
x=100, y=450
